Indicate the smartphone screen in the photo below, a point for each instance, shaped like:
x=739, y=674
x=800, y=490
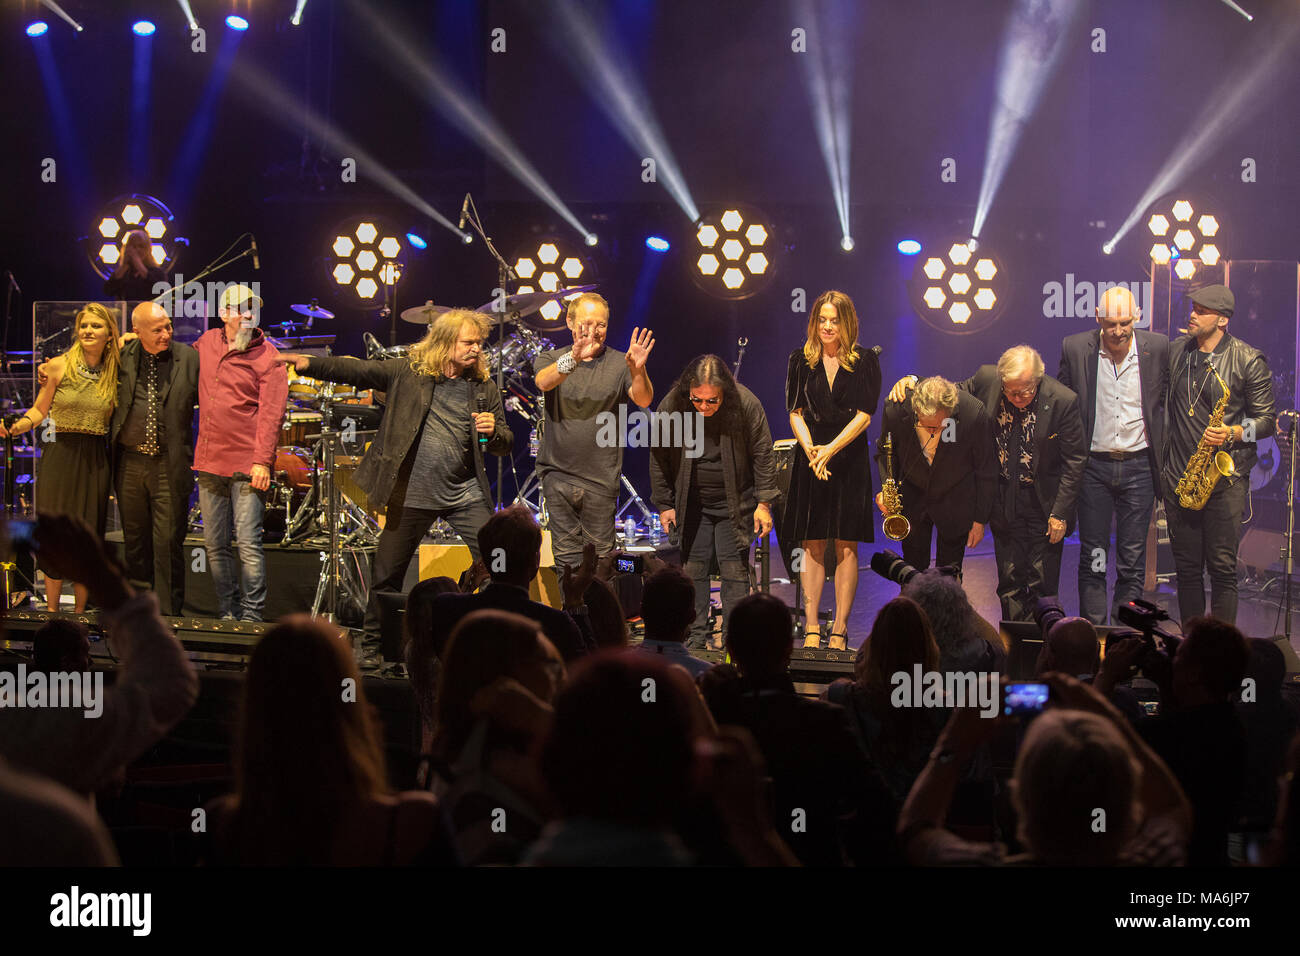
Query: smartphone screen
x=1024, y=699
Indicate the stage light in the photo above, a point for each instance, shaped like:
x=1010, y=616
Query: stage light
x=239, y=23
x=1188, y=245
x=363, y=254
x=1207, y=225
x=1182, y=210
x=189, y=14
x=38, y=29
x=417, y=242
x=958, y=292
x=591, y=239
x=1158, y=225
x=296, y=19
x=143, y=28
x=466, y=238
x=735, y=260
x=1185, y=268
x=1209, y=254
x=124, y=214
x=550, y=265
x=846, y=243
x=1107, y=248
x=656, y=244
x=909, y=247
x=1160, y=253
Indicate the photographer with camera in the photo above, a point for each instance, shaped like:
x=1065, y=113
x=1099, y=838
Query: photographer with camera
x=1072, y=646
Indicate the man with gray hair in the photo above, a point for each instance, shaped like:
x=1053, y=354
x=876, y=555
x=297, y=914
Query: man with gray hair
x=1041, y=454
x=945, y=468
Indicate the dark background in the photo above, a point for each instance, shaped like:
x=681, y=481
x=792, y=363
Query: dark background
x=733, y=104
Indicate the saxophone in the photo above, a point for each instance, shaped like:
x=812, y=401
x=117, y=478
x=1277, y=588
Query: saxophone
x=1206, y=466
x=896, y=525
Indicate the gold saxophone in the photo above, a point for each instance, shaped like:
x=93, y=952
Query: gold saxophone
x=1206, y=466
x=896, y=525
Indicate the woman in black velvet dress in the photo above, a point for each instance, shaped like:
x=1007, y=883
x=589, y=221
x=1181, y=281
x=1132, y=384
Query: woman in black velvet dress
x=831, y=390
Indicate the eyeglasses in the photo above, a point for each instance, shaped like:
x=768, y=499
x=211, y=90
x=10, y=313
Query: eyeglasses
x=696, y=400
x=1020, y=392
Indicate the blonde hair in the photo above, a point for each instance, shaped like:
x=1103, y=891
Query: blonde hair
x=1020, y=358
x=430, y=355
x=74, y=359
x=848, y=329
x=932, y=394
x=586, y=297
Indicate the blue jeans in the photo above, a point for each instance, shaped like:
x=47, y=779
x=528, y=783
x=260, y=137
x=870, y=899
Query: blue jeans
x=1125, y=491
x=219, y=498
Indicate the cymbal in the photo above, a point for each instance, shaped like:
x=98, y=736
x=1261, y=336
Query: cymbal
x=313, y=311
x=424, y=314
x=523, y=304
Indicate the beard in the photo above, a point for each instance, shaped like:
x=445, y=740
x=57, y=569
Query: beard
x=243, y=338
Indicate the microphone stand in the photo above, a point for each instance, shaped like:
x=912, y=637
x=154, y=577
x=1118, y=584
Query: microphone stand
x=505, y=275
x=740, y=355
x=1288, y=563
x=209, y=269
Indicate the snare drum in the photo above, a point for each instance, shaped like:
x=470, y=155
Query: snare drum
x=298, y=425
x=304, y=391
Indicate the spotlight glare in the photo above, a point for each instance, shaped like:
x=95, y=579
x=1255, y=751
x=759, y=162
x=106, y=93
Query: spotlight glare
x=367, y=260
x=986, y=269
x=467, y=237
x=416, y=241
x=296, y=19
x=909, y=247
x=960, y=283
x=733, y=278
x=972, y=244
x=390, y=273
x=571, y=267
x=708, y=264
x=367, y=287
x=155, y=228
x=847, y=243
x=732, y=248
x=132, y=214
x=343, y=246
x=159, y=253
x=1208, y=225
x=933, y=267
x=389, y=247
x=1182, y=210
x=959, y=312
x=985, y=299
x=934, y=297
x=109, y=253
x=548, y=253
x=756, y=234
x=1108, y=248
x=1183, y=239
x=37, y=29
x=239, y=23
x=731, y=220
x=592, y=239
x=1158, y=225
x=708, y=235
x=525, y=268
x=551, y=311
x=1160, y=253
x=959, y=254
x=143, y=28
x=1210, y=254
x=367, y=232
x=549, y=281
x=1185, y=268
x=343, y=274
x=756, y=263
x=108, y=227
x=656, y=244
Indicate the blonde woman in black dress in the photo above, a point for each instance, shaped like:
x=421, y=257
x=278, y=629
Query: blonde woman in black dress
x=78, y=395
x=832, y=387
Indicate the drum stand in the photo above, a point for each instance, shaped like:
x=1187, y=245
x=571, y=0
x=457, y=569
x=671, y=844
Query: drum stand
x=335, y=577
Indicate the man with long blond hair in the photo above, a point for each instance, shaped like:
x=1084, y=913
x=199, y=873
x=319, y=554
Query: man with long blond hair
x=426, y=462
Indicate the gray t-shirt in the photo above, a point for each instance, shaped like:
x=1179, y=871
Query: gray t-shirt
x=442, y=475
x=569, y=436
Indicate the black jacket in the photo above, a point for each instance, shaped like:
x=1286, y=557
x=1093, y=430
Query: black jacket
x=961, y=485
x=409, y=395
x=180, y=393
x=560, y=629
x=1079, y=373
x=748, y=465
x=1250, y=396
x=1060, y=450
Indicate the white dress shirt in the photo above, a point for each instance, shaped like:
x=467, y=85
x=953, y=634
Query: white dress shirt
x=1117, y=416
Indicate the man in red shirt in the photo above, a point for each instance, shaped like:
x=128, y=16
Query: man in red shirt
x=242, y=391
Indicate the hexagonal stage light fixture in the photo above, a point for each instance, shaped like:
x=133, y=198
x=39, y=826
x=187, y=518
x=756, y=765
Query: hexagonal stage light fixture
x=550, y=264
x=958, y=289
x=737, y=255
x=364, y=257
x=124, y=214
x=1189, y=245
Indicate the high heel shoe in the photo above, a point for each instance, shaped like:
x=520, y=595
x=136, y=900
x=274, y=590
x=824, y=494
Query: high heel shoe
x=812, y=639
x=843, y=642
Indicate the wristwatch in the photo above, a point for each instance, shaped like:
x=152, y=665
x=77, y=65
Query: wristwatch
x=566, y=364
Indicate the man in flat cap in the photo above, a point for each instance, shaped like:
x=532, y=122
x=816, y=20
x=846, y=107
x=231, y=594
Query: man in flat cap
x=1201, y=364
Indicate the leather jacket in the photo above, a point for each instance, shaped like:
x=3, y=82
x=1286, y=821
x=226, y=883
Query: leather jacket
x=1245, y=371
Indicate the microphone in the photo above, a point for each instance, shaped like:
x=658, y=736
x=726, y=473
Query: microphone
x=13, y=282
x=257, y=263
x=464, y=212
x=482, y=407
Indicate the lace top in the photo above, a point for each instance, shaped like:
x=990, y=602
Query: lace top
x=77, y=405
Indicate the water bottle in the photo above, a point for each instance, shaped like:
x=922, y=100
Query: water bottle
x=533, y=442
x=656, y=530
x=629, y=529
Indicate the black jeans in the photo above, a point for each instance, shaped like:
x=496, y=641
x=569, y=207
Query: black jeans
x=576, y=515
x=916, y=546
x=154, y=522
x=1029, y=567
x=404, y=529
x=705, y=537
x=1207, y=540
x=1122, y=490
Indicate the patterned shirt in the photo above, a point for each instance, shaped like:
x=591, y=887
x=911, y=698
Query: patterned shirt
x=1015, y=436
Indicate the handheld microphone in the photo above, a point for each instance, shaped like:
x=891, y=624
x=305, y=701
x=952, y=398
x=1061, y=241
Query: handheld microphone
x=464, y=212
x=257, y=263
x=482, y=407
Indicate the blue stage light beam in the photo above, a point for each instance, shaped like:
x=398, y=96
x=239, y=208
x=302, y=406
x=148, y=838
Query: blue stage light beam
x=601, y=68
x=266, y=93
x=296, y=19
x=828, y=69
x=143, y=28
x=72, y=148
x=62, y=14
x=194, y=145
x=468, y=114
x=38, y=28
x=657, y=244
x=417, y=241
x=1035, y=36
x=1259, y=68
x=909, y=247
x=138, y=146
x=236, y=23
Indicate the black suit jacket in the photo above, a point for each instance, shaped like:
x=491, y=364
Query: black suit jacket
x=180, y=393
x=1079, y=372
x=961, y=485
x=559, y=628
x=1060, y=450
